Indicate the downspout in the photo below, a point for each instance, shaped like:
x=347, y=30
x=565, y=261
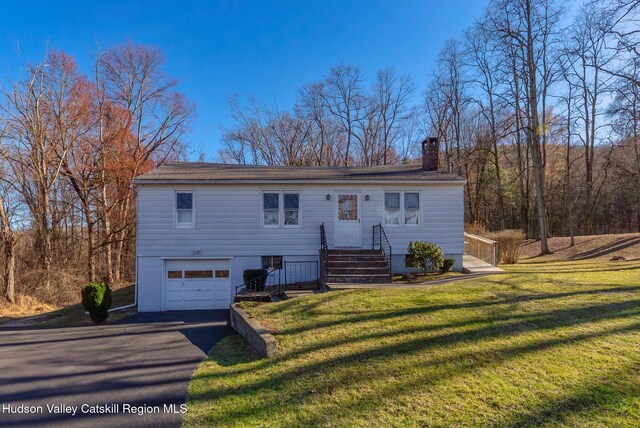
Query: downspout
x=135, y=290
x=135, y=294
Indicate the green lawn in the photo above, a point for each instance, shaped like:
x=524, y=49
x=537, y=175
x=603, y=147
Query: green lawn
x=547, y=344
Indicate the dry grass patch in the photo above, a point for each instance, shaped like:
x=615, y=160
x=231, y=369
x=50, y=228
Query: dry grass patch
x=29, y=311
x=24, y=306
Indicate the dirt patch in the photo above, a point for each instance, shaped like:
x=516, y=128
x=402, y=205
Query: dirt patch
x=598, y=247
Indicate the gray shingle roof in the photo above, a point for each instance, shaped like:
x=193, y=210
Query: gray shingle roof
x=200, y=172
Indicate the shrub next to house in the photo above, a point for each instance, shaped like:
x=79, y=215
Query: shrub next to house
x=255, y=279
x=425, y=255
x=96, y=299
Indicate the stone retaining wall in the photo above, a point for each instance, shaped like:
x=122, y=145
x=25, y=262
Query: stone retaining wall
x=252, y=331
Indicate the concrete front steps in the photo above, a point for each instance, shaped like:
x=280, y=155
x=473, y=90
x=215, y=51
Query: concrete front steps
x=357, y=266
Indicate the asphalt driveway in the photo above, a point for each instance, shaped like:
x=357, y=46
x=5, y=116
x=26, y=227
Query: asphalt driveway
x=139, y=363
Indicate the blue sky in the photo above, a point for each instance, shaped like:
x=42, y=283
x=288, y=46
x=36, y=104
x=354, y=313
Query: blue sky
x=215, y=49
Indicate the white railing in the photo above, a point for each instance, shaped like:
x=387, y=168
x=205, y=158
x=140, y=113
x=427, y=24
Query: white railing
x=481, y=248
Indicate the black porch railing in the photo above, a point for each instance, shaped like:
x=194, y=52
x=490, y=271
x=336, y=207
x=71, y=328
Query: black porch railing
x=324, y=254
x=270, y=287
x=381, y=242
x=297, y=275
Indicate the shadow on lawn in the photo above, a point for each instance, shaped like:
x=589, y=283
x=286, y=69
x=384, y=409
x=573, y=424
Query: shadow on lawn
x=593, y=398
x=612, y=247
x=561, y=269
x=358, y=317
x=289, y=370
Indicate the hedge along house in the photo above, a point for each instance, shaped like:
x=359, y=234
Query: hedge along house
x=200, y=225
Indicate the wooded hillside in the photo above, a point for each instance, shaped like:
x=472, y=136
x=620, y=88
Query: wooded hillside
x=537, y=105
x=70, y=143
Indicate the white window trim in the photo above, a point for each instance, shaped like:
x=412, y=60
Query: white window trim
x=402, y=214
x=281, y=210
x=192, y=225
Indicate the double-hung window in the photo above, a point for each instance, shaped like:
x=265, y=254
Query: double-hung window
x=281, y=208
x=184, y=208
x=402, y=208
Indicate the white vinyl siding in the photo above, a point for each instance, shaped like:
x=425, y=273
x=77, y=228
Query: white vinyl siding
x=228, y=220
x=229, y=225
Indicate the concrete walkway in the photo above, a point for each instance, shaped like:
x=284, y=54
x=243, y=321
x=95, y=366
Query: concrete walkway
x=472, y=267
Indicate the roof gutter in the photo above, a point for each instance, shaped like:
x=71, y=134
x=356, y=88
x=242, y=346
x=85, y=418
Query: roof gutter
x=346, y=182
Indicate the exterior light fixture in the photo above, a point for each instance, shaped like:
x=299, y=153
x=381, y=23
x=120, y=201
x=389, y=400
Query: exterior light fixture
x=328, y=197
x=366, y=198
x=196, y=252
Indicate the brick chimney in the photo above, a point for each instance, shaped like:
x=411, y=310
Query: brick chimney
x=430, y=151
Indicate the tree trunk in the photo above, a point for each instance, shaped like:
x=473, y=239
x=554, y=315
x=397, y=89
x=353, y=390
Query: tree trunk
x=9, y=242
x=534, y=133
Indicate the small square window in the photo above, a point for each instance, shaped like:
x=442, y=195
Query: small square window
x=408, y=261
x=271, y=262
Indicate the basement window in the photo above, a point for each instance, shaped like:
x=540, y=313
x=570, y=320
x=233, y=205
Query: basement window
x=271, y=262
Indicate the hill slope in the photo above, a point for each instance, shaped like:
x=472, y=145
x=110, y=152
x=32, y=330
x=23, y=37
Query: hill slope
x=599, y=247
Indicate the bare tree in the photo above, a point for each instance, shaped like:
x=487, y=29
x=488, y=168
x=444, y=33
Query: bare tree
x=140, y=114
x=392, y=94
x=345, y=101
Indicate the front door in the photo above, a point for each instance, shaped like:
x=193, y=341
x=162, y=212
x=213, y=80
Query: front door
x=347, y=220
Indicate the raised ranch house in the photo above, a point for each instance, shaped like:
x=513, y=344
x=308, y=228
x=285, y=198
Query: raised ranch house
x=200, y=225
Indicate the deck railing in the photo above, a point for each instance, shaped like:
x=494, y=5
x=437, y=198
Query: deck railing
x=299, y=273
x=481, y=248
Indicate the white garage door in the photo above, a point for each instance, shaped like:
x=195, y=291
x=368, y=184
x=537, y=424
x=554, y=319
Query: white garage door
x=197, y=284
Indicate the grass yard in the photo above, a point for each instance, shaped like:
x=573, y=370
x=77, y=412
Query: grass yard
x=547, y=344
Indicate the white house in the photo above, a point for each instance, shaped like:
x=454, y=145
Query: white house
x=200, y=225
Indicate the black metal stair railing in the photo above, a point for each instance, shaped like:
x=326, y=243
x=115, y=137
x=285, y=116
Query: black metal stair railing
x=381, y=242
x=324, y=254
x=270, y=289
